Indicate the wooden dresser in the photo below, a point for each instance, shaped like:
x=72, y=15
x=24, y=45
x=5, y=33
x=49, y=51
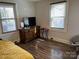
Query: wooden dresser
x=29, y=34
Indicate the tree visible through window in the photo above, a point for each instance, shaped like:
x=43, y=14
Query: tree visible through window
x=7, y=17
x=58, y=15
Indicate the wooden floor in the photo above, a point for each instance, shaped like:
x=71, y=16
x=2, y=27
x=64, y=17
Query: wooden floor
x=42, y=49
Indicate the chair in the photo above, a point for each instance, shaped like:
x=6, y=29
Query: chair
x=44, y=33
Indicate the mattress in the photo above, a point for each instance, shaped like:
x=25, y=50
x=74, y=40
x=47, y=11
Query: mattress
x=9, y=50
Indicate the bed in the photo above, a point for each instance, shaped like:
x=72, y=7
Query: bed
x=9, y=50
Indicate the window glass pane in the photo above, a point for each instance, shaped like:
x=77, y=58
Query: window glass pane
x=9, y=12
x=58, y=15
x=1, y=12
x=8, y=25
x=57, y=22
x=6, y=12
x=58, y=9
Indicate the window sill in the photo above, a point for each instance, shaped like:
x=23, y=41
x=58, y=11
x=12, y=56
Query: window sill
x=9, y=32
x=59, y=29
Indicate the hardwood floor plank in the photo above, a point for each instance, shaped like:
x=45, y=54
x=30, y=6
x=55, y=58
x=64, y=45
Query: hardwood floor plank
x=42, y=49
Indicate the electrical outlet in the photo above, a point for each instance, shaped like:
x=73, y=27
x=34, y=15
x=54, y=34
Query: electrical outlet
x=51, y=38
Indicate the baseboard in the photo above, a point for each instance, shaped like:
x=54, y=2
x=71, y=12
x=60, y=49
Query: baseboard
x=61, y=40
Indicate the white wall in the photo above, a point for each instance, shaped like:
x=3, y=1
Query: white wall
x=73, y=20
x=23, y=8
x=42, y=13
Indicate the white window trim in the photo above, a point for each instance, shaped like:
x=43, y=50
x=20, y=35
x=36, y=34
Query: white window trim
x=65, y=29
x=6, y=3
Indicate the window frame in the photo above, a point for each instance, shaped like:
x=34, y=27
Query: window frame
x=14, y=10
x=65, y=19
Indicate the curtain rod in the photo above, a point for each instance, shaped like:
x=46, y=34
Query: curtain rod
x=57, y=2
x=7, y=3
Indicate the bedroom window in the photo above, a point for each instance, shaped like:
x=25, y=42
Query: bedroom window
x=7, y=17
x=57, y=15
